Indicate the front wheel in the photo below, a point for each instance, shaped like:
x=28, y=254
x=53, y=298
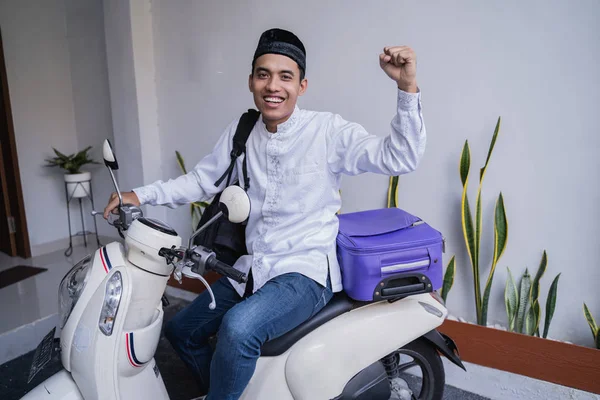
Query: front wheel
x=416, y=372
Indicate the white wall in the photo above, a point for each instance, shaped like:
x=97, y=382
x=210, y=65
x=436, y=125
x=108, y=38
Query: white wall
x=119, y=53
x=130, y=48
x=91, y=97
x=39, y=80
x=534, y=63
x=58, y=90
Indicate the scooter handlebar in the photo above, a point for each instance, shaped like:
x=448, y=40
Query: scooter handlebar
x=224, y=269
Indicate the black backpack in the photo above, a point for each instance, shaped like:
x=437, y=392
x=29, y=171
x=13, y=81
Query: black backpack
x=226, y=239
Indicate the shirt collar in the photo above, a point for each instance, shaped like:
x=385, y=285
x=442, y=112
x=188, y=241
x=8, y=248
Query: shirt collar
x=285, y=127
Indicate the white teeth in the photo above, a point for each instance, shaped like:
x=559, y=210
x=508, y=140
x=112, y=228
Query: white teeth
x=273, y=100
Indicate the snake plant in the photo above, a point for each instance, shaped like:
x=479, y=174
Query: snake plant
x=392, y=196
x=592, y=323
x=197, y=206
x=448, y=279
x=472, y=230
x=522, y=304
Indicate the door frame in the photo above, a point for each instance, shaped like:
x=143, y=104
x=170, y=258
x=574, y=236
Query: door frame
x=11, y=164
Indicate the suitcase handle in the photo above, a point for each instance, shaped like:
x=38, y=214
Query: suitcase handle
x=401, y=285
x=410, y=289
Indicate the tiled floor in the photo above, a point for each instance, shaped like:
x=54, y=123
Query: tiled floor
x=29, y=308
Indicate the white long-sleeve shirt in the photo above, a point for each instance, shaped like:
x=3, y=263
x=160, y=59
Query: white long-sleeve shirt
x=294, y=184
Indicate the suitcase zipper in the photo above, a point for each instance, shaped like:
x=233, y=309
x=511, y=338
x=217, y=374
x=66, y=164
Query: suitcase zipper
x=388, y=247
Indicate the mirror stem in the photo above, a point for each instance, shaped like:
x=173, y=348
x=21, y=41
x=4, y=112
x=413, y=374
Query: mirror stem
x=203, y=227
x=116, y=186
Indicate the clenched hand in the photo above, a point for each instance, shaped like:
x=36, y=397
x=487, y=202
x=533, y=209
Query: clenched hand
x=400, y=64
x=113, y=202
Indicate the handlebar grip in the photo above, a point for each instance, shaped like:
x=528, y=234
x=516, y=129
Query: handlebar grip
x=224, y=269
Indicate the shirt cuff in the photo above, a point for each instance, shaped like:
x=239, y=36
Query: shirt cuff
x=408, y=101
x=145, y=194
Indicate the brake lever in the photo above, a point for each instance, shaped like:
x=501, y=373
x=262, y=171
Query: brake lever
x=170, y=256
x=190, y=274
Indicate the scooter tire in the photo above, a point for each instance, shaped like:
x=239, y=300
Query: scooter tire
x=432, y=367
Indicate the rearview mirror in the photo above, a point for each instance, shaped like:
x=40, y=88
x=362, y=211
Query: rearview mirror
x=111, y=163
x=109, y=156
x=235, y=204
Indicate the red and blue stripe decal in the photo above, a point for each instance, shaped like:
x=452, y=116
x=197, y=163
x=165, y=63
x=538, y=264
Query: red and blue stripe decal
x=105, y=260
x=131, y=352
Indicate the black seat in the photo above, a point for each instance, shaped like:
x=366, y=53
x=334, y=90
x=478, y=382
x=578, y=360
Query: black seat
x=339, y=304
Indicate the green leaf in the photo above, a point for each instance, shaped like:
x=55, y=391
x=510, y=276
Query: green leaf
x=180, y=162
x=590, y=320
x=82, y=155
x=538, y=317
x=492, y=144
x=535, y=287
x=52, y=162
x=469, y=235
x=465, y=163
x=550, y=305
x=392, y=201
x=486, y=298
x=477, y=226
x=500, y=229
x=524, y=288
x=60, y=155
x=500, y=238
x=448, y=279
x=511, y=301
x=533, y=318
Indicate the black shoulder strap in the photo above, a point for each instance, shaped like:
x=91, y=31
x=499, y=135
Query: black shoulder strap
x=245, y=125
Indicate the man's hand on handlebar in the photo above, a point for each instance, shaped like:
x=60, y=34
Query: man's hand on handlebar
x=113, y=202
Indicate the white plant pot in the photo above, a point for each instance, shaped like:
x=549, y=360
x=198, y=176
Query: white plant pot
x=78, y=185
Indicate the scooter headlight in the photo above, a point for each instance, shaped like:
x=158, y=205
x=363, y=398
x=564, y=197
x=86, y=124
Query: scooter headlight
x=110, y=307
x=71, y=287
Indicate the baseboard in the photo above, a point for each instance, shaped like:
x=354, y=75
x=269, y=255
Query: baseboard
x=63, y=244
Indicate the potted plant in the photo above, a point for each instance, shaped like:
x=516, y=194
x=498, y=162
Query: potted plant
x=78, y=181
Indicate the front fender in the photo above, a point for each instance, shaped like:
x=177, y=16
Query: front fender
x=59, y=386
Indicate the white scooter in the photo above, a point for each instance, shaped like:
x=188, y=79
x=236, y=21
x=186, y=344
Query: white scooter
x=111, y=316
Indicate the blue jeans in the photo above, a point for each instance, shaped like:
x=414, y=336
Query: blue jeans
x=243, y=325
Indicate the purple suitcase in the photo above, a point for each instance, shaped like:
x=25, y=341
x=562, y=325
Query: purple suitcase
x=388, y=254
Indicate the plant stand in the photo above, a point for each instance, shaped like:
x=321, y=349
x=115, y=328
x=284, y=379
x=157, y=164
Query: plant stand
x=69, y=197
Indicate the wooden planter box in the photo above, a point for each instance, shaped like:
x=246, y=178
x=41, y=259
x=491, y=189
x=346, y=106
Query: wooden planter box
x=562, y=363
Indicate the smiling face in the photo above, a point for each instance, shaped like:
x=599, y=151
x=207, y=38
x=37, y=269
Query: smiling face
x=276, y=84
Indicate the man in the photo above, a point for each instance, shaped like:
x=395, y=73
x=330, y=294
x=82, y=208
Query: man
x=295, y=159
